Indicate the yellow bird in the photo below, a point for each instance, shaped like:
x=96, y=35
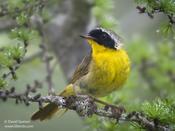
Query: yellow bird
x=103, y=71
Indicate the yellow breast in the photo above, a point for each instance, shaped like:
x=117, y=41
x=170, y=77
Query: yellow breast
x=108, y=71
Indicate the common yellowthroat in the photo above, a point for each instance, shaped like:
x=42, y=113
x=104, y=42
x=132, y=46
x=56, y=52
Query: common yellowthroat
x=103, y=71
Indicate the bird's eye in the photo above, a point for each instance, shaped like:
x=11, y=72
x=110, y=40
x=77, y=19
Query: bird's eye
x=104, y=36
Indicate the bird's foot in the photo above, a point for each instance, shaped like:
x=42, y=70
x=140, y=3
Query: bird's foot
x=108, y=106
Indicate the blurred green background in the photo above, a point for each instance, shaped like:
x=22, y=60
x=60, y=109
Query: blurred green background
x=152, y=57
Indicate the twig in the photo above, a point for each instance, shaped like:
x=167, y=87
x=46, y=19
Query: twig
x=4, y=11
x=156, y=10
x=46, y=57
x=33, y=56
x=23, y=96
x=47, y=60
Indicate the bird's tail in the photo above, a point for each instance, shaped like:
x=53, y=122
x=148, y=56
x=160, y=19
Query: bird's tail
x=49, y=110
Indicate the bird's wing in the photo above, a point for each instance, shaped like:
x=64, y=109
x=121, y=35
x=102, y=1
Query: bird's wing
x=82, y=69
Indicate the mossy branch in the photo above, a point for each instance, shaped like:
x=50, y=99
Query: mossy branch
x=86, y=106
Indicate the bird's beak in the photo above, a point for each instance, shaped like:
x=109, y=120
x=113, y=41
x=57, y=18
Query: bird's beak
x=87, y=37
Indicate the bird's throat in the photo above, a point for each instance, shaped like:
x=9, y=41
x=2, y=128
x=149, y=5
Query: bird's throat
x=98, y=49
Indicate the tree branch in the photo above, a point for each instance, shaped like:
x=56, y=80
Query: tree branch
x=86, y=106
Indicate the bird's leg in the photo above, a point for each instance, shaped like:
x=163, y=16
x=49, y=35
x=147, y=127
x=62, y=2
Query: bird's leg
x=80, y=93
x=107, y=105
x=101, y=102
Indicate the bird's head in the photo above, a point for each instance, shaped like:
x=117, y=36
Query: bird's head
x=104, y=38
